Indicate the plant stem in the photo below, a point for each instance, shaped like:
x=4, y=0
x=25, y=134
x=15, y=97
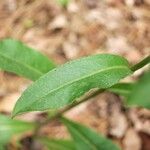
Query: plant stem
x=67, y=108
x=141, y=64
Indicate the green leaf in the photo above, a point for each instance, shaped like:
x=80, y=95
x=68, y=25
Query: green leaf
x=16, y=57
x=87, y=139
x=55, y=144
x=123, y=89
x=9, y=127
x=140, y=95
x=63, y=85
x=2, y=147
x=63, y=3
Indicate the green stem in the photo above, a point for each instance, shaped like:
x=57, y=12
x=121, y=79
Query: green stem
x=67, y=108
x=141, y=64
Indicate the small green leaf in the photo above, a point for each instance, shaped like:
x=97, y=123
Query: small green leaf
x=123, y=89
x=140, y=95
x=63, y=3
x=87, y=139
x=16, y=57
x=57, y=144
x=63, y=85
x=9, y=127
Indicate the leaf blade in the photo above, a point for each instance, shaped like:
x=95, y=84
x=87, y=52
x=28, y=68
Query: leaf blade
x=123, y=89
x=140, y=95
x=71, y=80
x=18, y=58
x=87, y=139
x=58, y=144
x=9, y=127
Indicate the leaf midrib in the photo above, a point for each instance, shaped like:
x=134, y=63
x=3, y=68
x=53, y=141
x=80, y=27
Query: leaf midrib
x=16, y=128
x=85, y=139
x=27, y=66
x=54, y=144
x=84, y=77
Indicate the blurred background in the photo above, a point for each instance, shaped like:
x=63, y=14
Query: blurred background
x=69, y=29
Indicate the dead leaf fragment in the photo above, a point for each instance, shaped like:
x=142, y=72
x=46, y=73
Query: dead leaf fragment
x=132, y=140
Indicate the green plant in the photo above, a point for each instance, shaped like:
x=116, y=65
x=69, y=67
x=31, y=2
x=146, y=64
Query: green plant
x=65, y=87
x=63, y=3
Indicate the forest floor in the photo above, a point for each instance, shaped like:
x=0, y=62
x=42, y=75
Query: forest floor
x=82, y=28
